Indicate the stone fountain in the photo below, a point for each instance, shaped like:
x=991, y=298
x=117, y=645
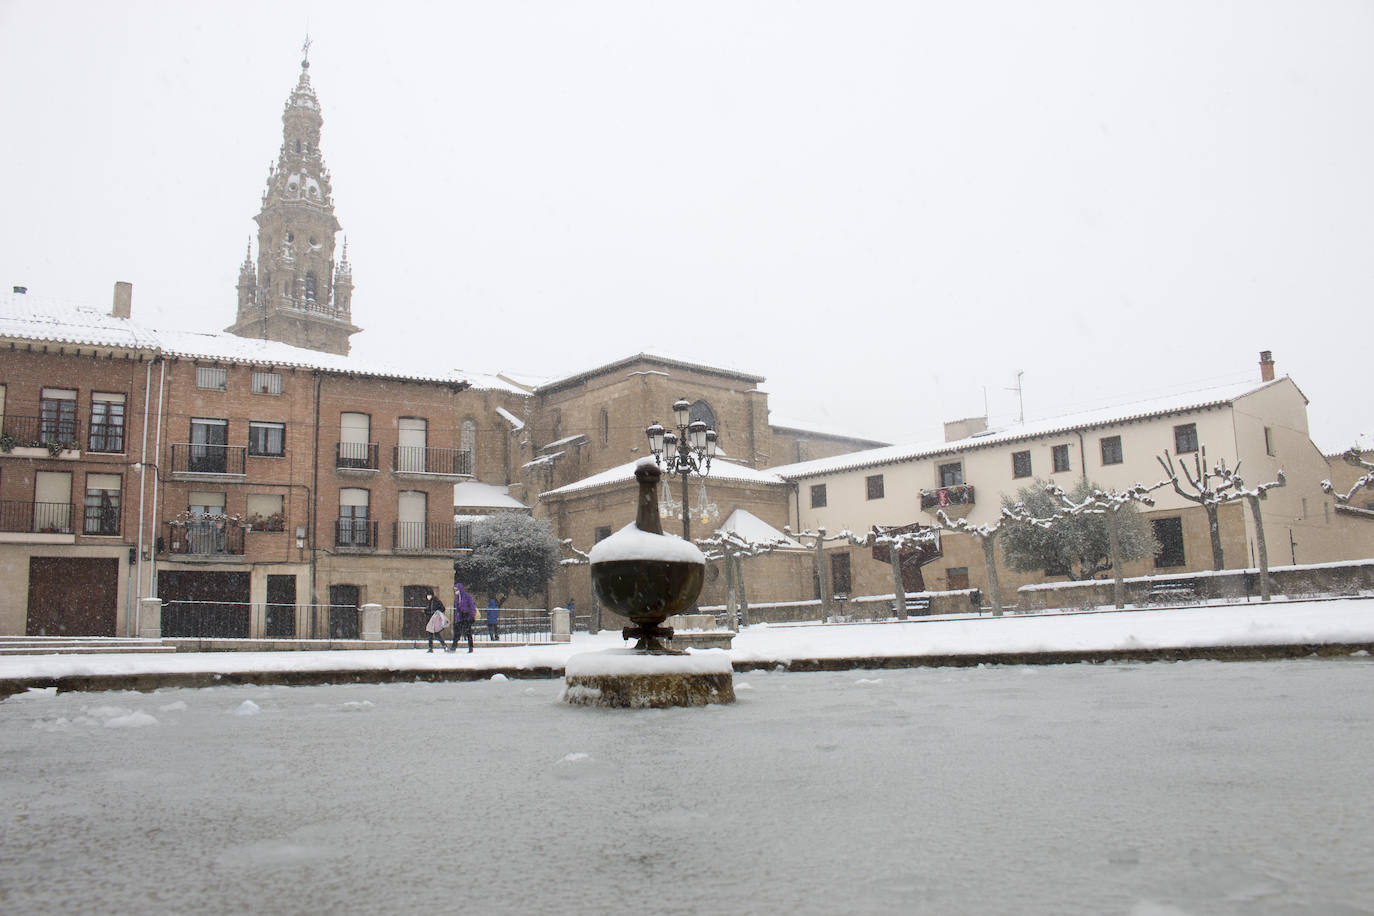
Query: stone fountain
x=647, y=576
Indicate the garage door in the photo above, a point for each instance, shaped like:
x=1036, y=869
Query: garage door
x=72, y=596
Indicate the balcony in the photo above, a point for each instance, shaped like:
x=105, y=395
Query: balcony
x=197, y=458
x=960, y=494
x=211, y=538
x=355, y=534
x=28, y=517
x=430, y=537
x=107, y=438
x=356, y=456
x=431, y=462
x=40, y=437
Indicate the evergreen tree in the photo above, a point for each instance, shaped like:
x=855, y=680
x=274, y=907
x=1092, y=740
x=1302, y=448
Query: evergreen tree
x=511, y=553
x=1074, y=545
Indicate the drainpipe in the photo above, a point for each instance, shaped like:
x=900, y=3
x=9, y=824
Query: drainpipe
x=132, y=615
x=1082, y=457
x=157, y=477
x=314, y=508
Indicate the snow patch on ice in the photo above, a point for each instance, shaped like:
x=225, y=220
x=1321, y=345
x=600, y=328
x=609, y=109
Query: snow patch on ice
x=358, y=705
x=178, y=706
x=499, y=677
x=866, y=681
x=136, y=719
x=247, y=708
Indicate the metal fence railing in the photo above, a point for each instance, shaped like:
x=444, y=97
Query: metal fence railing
x=26, y=515
x=187, y=619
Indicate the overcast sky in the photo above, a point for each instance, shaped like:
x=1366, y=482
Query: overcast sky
x=885, y=208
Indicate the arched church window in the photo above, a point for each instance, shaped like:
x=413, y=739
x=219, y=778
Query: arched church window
x=311, y=287
x=467, y=441
x=703, y=412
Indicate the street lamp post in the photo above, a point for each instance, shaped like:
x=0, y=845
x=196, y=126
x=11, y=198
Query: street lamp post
x=686, y=452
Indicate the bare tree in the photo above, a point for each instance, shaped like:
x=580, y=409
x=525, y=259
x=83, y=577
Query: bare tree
x=818, y=539
x=1109, y=504
x=895, y=542
x=1204, y=493
x=731, y=549
x=1252, y=499
x=986, y=536
x=1355, y=458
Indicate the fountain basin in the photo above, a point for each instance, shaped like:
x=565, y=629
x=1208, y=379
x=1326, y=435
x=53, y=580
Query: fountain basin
x=631, y=678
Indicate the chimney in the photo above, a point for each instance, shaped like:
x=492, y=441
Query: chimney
x=962, y=429
x=1266, y=366
x=123, y=299
x=20, y=290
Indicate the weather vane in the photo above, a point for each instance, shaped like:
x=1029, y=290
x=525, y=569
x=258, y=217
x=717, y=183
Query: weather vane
x=305, y=51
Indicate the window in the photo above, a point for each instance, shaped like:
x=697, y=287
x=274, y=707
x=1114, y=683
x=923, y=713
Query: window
x=200, y=503
x=267, y=383
x=209, y=451
x=1020, y=464
x=602, y=532
x=1111, y=450
x=265, y=512
x=102, y=505
x=411, y=512
x=355, y=447
x=1060, y=456
x=352, y=529
x=312, y=287
x=605, y=426
x=702, y=411
x=52, y=501
x=57, y=416
x=214, y=378
x=1169, y=535
x=462, y=535
x=875, y=486
x=1269, y=441
x=839, y=574
x=818, y=496
x=107, y=422
x=1185, y=438
x=410, y=447
x=951, y=475
x=266, y=440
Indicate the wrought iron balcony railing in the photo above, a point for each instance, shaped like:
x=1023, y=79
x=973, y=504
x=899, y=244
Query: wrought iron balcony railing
x=958, y=495
x=18, y=515
x=195, y=458
x=361, y=456
x=205, y=538
x=356, y=533
x=416, y=459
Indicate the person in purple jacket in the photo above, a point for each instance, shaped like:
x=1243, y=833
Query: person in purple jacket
x=464, y=613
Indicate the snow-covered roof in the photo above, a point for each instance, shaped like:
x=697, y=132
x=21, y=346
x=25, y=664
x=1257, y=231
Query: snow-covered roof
x=625, y=473
x=791, y=424
x=1122, y=413
x=752, y=528
x=566, y=440
x=38, y=318
x=650, y=357
x=472, y=494
x=515, y=422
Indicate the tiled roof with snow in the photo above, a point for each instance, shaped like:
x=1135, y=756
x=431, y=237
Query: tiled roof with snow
x=650, y=357
x=1122, y=413
x=623, y=473
x=473, y=494
x=515, y=422
x=37, y=318
x=752, y=528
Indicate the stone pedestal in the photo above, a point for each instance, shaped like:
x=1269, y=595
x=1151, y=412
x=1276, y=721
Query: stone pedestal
x=150, y=618
x=562, y=625
x=630, y=678
x=370, y=622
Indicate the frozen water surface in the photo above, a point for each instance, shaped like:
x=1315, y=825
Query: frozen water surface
x=1151, y=790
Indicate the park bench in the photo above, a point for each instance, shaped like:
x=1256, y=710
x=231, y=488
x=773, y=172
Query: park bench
x=917, y=605
x=1173, y=590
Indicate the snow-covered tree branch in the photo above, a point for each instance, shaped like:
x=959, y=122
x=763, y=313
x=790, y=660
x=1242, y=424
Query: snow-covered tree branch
x=1355, y=458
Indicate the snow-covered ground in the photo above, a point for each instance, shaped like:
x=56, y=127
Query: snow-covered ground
x=1281, y=622
x=1137, y=789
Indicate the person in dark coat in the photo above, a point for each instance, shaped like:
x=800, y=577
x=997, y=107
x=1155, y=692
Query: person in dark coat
x=437, y=621
x=493, y=612
x=464, y=613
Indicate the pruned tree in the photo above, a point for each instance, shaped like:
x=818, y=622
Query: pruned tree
x=898, y=544
x=1355, y=458
x=1110, y=506
x=1202, y=491
x=1252, y=497
x=986, y=536
x=818, y=539
x=511, y=553
x=1079, y=544
x=731, y=549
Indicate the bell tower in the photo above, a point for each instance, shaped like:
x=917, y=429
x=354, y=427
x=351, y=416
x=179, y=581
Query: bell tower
x=297, y=295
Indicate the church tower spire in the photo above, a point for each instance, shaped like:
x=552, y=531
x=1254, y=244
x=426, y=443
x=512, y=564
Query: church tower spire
x=296, y=297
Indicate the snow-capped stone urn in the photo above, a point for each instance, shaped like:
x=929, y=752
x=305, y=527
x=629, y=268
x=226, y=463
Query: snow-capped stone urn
x=643, y=574
x=647, y=576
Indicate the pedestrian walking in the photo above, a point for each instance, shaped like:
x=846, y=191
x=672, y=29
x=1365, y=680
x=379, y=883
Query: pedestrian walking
x=464, y=613
x=493, y=612
x=437, y=621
